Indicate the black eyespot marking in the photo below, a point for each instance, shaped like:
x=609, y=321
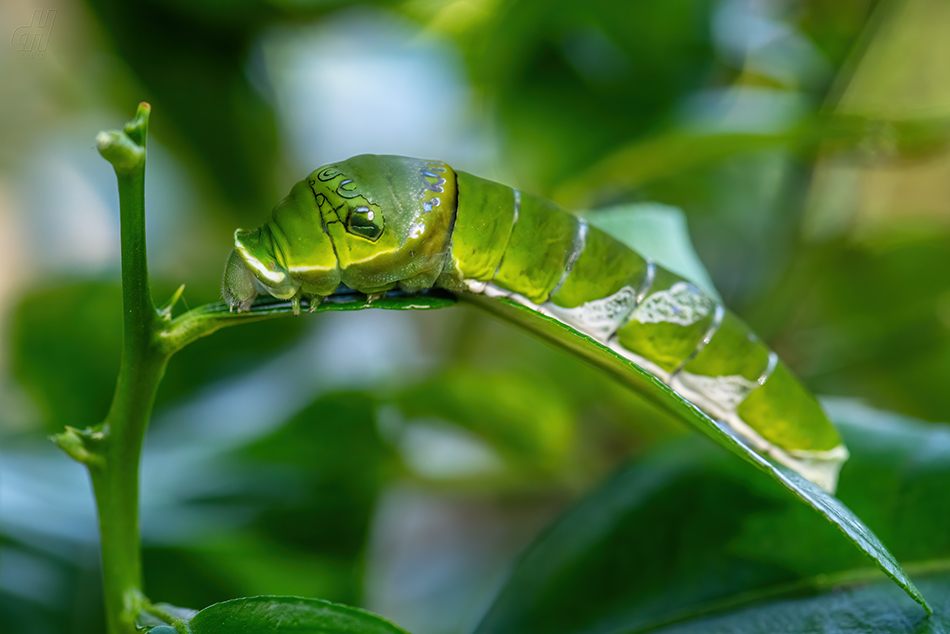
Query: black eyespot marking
x=364, y=222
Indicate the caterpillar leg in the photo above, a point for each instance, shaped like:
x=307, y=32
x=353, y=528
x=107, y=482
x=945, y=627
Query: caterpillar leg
x=315, y=300
x=238, y=286
x=295, y=302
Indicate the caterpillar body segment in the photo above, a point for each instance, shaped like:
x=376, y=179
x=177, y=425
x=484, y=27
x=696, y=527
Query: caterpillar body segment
x=374, y=223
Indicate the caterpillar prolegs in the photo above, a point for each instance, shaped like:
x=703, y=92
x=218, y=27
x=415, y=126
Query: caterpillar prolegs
x=375, y=223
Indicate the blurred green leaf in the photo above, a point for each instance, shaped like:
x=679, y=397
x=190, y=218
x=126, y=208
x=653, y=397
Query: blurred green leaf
x=689, y=531
x=71, y=604
x=193, y=69
x=663, y=156
x=609, y=422
x=894, y=76
x=867, y=320
x=675, y=153
x=586, y=77
x=835, y=26
x=256, y=615
x=331, y=451
x=526, y=421
x=242, y=560
x=302, y=499
x=65, y=346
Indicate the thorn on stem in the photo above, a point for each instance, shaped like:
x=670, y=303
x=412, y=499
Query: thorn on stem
x=166, y=310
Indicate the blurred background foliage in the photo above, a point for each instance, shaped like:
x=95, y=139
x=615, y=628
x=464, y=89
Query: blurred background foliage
x=399, y=461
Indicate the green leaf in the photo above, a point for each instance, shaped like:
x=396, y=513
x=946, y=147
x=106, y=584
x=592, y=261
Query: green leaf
x=876, y=608
x=68, y=358
x=335, y=465
x=658, y=232
x=567, y=81
x=688, y=531
x=272, y=615
x=651, y=387
x=528, y=422
x=305, y=493
x=849, y=338
x=204, y=320
x=207, y=103
x=665, y=154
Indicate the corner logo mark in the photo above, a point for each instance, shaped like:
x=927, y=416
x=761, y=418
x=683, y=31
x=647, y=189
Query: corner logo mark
x=31, y=40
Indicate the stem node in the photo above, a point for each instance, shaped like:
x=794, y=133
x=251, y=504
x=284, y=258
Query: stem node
x=112, y=451
x=86, y=446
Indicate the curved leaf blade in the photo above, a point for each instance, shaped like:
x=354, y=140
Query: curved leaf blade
x=876, y=608
x=655, y=390
x=688, y=531
x=204, y=320
x=274, y=615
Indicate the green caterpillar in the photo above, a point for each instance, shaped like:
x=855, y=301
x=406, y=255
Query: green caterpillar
x=375, y=223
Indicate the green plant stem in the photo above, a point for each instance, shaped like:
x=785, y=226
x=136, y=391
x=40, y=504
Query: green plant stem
x=115, y=478
x=115, y=485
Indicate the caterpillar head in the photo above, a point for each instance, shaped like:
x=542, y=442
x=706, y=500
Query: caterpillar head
x=370, y=223
x=388, y=217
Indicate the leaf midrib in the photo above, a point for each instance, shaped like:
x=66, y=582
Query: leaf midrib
x=805, y=586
